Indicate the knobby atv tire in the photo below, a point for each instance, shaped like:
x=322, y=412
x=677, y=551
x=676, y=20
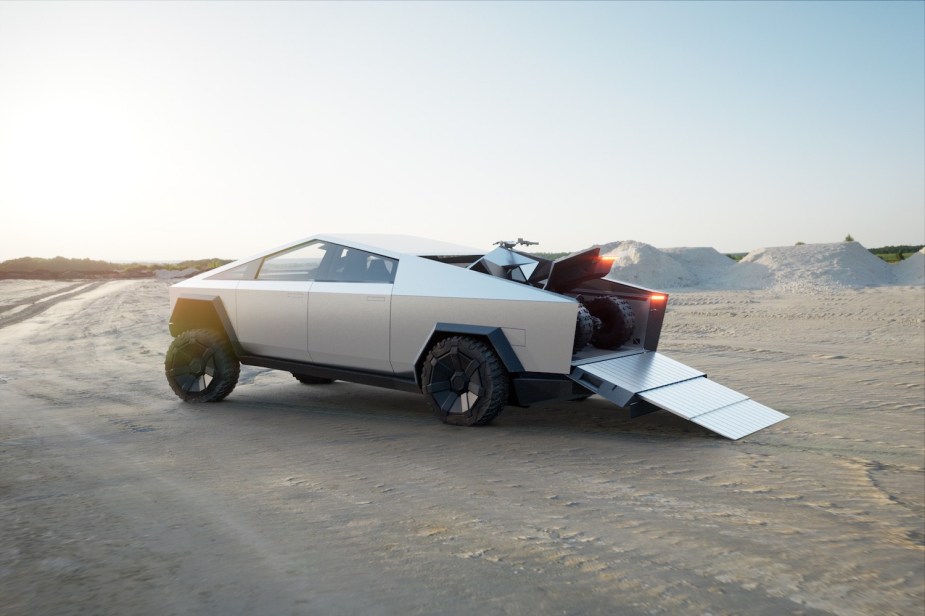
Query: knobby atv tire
x=201, y=366
x=584, y=329
x=464, y=382
x=617, y=322
x=308, y=379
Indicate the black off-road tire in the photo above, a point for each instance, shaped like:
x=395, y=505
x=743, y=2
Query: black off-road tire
x=584, y=329
x=617, y=322
x=307, y=379
x=201, y=366
x=464, y=382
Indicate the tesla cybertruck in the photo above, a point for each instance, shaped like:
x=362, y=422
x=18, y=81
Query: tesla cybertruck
x=473, y=331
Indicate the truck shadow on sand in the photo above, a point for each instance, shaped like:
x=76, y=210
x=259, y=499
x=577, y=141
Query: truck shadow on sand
x=351, y=403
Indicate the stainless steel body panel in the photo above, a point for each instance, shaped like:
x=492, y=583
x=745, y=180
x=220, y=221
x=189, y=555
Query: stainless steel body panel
x=539, y=325
x=348, y=324
x=427, y=278
x=539, y=346
x=272, y=318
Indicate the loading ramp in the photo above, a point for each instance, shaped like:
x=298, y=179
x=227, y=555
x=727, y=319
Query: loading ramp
x=625, y=378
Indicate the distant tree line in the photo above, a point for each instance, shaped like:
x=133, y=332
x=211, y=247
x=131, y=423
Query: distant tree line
x=905, y=249
x=56, y=265
x=61, y=267
x=892, y=254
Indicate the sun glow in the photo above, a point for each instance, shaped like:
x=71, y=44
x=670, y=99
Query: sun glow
x=136, y=120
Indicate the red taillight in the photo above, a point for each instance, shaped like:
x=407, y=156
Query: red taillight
x=658, y=298
x=607, y=260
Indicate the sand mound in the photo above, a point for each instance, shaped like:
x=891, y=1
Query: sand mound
x=705, y=266
x=645, y=265
x=810, y=267
x=912, y=270
x=804, y=268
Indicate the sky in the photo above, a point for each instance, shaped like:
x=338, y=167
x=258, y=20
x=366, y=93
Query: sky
x=180, y=130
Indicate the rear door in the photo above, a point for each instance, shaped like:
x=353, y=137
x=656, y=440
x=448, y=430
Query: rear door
x=349, y=310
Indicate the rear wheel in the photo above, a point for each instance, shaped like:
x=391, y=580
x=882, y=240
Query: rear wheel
x=201, y=366
x=464, y=382
x=617, y=322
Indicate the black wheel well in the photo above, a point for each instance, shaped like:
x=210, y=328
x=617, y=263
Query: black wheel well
x=492, y=337
x=201, y=313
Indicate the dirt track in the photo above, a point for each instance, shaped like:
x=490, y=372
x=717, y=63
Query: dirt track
x=115, y=498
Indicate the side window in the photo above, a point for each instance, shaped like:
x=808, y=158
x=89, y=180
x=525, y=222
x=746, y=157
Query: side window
x=301, y=263
x=381, y=269
x=352, y=265
x=242, y=272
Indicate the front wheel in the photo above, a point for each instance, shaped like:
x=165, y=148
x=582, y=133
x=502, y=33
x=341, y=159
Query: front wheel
x=464, y=382
x=201, y=366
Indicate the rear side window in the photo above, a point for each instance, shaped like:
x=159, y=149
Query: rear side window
x=301, y=263
x=242, y=272
x=352, y=265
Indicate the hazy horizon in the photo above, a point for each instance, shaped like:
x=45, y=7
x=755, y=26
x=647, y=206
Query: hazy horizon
x=536, y=249
x=151, y=131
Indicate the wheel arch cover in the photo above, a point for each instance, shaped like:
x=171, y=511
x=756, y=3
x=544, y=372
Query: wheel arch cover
x=494, y=336
x=208, y=311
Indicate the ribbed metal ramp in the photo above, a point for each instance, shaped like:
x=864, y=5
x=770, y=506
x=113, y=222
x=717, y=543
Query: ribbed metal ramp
x=677, y=388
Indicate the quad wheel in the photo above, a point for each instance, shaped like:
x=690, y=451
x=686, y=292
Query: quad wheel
x=201, y=366
x=584, y=329
x=308, y=379
x=464, y=382
x=617, y=322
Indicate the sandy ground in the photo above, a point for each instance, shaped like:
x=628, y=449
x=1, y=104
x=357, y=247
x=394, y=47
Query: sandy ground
x=116, y=498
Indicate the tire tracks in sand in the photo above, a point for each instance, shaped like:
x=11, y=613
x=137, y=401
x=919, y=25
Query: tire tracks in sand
x=37, y=304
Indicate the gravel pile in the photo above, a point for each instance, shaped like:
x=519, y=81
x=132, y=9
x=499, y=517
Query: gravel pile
x=912, y=270
x=804, y=268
